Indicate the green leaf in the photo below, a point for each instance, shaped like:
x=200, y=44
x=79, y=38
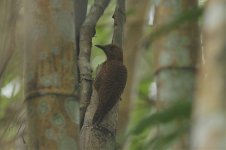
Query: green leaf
x=178, y=110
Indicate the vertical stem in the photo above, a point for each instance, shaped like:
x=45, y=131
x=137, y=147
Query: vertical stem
x=86, y=33
x=119, y=21
x=103, y=137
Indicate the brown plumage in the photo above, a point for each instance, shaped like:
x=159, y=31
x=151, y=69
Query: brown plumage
x=110, y=81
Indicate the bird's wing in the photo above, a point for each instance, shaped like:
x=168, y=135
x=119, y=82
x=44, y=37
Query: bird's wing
x=100, y=76
x=111, y=87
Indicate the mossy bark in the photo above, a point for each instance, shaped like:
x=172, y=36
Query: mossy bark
x=51, y=75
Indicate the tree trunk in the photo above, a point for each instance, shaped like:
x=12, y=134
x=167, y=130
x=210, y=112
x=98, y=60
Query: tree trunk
x=133, y=37
x=175, y=55
x=209, y=126
x=52, y=103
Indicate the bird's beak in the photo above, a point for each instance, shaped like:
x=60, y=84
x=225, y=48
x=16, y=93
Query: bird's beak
x=100, y=46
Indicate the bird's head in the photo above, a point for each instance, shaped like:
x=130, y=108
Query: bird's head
x=112, y=52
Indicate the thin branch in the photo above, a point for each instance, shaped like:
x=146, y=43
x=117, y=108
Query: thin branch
x=119, y=21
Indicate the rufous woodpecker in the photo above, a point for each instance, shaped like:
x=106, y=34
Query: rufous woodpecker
x=110, y=81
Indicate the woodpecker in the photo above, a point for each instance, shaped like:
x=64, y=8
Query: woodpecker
x=110, y=81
